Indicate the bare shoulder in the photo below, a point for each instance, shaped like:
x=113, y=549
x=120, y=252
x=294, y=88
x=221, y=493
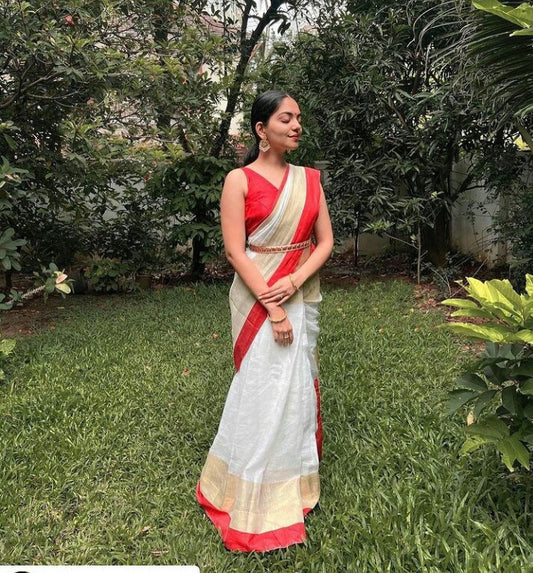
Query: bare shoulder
x=235, y=184
x=236, y=178
x=235, y=188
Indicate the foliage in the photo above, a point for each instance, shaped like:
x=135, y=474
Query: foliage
x=108, y=275
x=96, y=96
x=507, y=51
x=9, y=253
x=391, y=116
x=504, y=374
x=190, y=189
x=496, y=53
x=7, y=346
x=51, y=280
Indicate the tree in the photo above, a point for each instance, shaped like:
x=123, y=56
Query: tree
x=99, y=97
x=497, y=54
x=391, y=117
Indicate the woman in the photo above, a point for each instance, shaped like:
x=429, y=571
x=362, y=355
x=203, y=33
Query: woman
x=261, y=473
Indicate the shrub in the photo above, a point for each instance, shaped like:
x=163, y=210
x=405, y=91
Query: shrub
x=502, y=379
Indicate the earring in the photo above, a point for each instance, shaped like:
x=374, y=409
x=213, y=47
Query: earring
x=264, y=145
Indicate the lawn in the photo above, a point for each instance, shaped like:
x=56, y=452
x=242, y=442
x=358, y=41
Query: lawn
x=107, y=418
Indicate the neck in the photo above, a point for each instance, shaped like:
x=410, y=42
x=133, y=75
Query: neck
x=272, y=160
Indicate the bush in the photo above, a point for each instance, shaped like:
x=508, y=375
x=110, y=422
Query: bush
x=109, y=276
x=502, y=379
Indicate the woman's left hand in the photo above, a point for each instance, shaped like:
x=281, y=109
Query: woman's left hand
x=279, y=292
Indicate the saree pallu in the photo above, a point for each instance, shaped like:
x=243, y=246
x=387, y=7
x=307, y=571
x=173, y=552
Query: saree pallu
x=261, y=474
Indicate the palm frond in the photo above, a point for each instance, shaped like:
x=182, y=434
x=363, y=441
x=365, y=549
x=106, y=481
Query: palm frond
x=507, y=61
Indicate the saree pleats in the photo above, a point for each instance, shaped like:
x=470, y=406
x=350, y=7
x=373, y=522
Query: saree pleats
x=261, y=474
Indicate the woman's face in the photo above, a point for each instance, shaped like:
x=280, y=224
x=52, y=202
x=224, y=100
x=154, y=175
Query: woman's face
x=283, y=129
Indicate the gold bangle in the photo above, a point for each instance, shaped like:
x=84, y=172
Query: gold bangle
x=293, y=283
x=277, y=320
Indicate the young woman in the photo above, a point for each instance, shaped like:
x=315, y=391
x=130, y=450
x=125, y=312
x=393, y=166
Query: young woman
x=261, y=473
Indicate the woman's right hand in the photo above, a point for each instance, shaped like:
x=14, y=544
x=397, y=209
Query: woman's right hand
x=283, y=333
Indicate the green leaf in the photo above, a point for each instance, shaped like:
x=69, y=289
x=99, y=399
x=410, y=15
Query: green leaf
x=510, y=400
x=473, y=443
x=473, y=313
x=513, y=449
x=472, y=381
x=460, y=303
x=529, y=285
x=492, y=332
x=525, y=336
x=521, y=15
x=458, y=398
x=492, y=349
x=64, y=288
x=524, y=32
x=527, y=387
x=10, y=142
x=491, y=428
x=7, y=346
x=482, y=401
x=525, y=368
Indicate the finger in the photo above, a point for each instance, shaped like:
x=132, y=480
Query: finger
x=270, y=297
x=267, y=293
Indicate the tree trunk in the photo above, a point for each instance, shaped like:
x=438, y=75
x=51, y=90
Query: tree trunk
x=436, y=239
x=197, y=265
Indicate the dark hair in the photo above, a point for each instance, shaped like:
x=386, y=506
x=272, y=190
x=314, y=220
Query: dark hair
x=264, y=106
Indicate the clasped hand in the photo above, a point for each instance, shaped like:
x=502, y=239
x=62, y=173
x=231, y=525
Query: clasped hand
x=280, y=292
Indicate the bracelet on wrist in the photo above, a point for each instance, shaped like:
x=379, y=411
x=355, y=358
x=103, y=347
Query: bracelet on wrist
x=293, y=283
x=277, y=320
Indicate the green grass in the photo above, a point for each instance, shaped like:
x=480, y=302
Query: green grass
x=107, y=418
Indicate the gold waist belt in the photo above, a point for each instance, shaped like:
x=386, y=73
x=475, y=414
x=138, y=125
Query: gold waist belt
x=281, y=248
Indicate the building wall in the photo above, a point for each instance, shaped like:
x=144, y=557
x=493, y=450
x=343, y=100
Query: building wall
x=472, y=216
x=472, y=219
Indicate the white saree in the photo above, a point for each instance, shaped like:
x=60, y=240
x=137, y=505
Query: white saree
x=261, y=473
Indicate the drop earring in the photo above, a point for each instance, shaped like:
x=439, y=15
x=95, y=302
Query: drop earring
x=264, y=145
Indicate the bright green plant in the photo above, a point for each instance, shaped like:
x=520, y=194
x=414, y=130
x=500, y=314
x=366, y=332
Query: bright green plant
x=502, y=379
x=51, y=280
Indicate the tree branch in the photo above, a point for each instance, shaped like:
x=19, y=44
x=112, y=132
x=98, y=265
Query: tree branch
x=246, y=47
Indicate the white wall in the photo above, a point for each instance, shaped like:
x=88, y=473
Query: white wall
x=472, y=216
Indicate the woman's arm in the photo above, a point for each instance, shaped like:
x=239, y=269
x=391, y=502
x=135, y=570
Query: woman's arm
x=234, y=234
x=324, y=245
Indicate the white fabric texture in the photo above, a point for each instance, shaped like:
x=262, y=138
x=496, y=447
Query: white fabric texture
x=267, y=430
